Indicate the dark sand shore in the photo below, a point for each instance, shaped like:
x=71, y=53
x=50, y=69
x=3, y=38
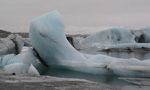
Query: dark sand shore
x=25, y=82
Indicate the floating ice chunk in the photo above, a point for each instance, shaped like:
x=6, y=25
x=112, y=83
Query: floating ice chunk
x=108, y=37
x=12, y=44
x=18, y=41
x=19, y=64
x=6, y=46
x=32, y=71
x=114, y=38
x=111, y=36
x=5, y=59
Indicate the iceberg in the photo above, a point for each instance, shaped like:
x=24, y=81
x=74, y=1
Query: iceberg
x=114, y=38
x=12, y=44
x=18, y=41
x=6, y=46
x=49, y=40
x=107, y=38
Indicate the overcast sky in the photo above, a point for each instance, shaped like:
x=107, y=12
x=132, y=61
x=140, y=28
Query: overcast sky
x=78, y=15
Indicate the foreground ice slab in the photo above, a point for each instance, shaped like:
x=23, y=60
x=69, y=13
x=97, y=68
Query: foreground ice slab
x=48, y=38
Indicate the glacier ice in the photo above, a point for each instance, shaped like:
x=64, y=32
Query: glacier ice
x=48, y=38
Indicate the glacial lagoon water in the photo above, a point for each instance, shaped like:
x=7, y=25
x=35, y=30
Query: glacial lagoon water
x=66, y=73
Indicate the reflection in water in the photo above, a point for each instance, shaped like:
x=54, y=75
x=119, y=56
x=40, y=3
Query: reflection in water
x=65, y=73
